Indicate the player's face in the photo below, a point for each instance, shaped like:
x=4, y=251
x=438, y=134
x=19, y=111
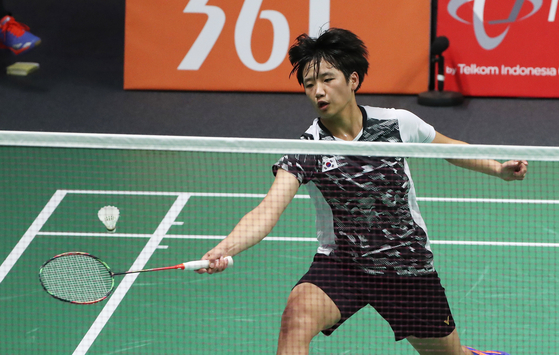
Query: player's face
x=329, y=91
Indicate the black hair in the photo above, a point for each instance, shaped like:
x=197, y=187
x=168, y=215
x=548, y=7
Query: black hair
x=341, y=48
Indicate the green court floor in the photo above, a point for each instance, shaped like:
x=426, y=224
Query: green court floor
x=496, y=247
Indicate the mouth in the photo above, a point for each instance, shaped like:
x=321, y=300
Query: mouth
x=322, y=105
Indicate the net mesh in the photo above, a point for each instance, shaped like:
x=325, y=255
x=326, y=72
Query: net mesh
x=494, y=244
x=76, y=278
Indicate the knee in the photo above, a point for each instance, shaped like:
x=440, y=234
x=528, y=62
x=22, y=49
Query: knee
x=308, y=311
x=296, y=318
x=303, y=319
x=297, y=330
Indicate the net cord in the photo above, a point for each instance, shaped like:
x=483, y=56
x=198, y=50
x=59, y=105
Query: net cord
x=274, y=146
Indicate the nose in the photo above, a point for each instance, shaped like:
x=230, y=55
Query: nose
x=319, y=90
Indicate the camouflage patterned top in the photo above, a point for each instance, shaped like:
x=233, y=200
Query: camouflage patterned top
x=366, y=208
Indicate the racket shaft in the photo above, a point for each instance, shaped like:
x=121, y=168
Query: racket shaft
x=179, y=266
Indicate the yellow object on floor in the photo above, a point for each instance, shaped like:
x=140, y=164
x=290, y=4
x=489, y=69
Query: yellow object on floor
x=22, y=68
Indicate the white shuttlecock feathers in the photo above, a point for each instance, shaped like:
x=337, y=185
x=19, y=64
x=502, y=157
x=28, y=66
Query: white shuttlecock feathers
x=109, y=216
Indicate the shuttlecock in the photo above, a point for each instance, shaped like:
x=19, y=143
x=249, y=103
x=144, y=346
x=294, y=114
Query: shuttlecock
x=109, y=216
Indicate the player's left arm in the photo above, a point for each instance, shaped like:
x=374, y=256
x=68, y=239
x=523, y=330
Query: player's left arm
x=508, y=171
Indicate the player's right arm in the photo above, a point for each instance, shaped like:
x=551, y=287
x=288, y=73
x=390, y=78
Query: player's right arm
x=256, y=224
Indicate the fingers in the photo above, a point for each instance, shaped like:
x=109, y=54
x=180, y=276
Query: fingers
x=520, y=164
x=515, y=170
x=521, y=169
x=217, y=264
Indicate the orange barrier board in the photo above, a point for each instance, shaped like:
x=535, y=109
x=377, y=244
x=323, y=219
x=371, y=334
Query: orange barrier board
x=234, y=45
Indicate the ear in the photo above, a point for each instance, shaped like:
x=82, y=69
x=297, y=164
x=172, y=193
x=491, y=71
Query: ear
x=354, y=80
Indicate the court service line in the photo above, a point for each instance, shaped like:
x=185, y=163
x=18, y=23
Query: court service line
x=129, y=279
x=166, y=193
x=304, y=196
x=488, y=200
x=294, y=239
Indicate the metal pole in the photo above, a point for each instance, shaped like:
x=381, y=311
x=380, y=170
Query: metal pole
x=432, y=62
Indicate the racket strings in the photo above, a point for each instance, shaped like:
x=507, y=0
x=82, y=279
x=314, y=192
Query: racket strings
x=77, y=278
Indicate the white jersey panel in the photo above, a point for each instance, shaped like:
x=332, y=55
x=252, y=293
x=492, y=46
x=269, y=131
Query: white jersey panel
x=412, y=128
x=324, y=220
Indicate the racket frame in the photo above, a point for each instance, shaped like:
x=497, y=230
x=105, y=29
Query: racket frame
x=104, y=264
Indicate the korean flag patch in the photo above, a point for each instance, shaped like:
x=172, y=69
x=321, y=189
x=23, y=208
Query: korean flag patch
x=329, y=164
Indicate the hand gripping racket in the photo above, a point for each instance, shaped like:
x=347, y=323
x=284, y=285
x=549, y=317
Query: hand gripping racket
x=82, y=278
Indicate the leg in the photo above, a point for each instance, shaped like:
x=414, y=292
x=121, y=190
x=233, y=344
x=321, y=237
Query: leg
x=309, y=310
x=449, y=345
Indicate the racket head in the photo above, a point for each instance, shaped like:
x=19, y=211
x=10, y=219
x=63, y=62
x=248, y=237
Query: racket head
x=77, y=277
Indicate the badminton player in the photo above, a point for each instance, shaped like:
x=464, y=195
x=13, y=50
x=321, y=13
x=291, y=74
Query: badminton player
x=373, y=245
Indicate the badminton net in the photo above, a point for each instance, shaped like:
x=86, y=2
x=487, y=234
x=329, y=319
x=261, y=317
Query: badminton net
x=495, y=243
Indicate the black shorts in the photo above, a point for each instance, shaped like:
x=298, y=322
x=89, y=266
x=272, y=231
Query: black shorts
x=412, y=305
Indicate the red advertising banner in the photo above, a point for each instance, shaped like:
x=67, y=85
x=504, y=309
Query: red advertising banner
x=241, y=45
x=501, y=47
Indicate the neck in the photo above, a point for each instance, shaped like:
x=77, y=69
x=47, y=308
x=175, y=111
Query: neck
x=347, y=124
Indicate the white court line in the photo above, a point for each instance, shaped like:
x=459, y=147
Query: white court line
x=124, y=193
x=152, y=193
x=488, y=200
x=102, y=235
x=303, y=196
x=296, y=239
x=501, y=244
x=129, y=279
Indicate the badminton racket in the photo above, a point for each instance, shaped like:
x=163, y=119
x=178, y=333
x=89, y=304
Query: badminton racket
x=82, y=278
